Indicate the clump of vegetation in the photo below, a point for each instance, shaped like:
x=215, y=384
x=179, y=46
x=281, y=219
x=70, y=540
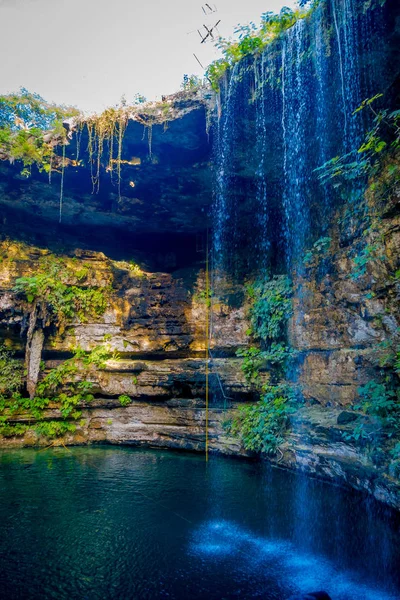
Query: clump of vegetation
x=319, y=249
x=252, y=39
x=371, y=253
x=61, y=386
x=255, y=359
x=11, y=372
x=271, y=307
x=191, y=83
x=124, y=400
x=31, y=129
x=59, y=300
x=365, y=161
x=380, y=399
x=261, y=425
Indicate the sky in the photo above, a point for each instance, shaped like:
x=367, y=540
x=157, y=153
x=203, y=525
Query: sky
x=88, y=53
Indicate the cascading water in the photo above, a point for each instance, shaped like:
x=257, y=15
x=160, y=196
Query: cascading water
x=321, y=98
x=223, y=152
x=261, y=150
x=294, y=119
x=301, y=100
x=346, y=28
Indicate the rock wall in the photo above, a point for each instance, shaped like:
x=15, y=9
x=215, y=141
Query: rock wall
x=155, y=322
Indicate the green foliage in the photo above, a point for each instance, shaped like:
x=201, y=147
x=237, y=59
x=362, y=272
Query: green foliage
x=380, y=400
x=11, y=372
x=191, y=83
x=8, y=430
x=271, y=308
x=124, y=400
x=204, y=297
x=365, y=161
x=135, y=269
x=251, y=39
x=255, y=359
x=30, y=128
x=369, y=254
x=61, y=386
x=54, y=429
x=261, y=426
x=49, y=289
x=320, y=247
x=139, y=99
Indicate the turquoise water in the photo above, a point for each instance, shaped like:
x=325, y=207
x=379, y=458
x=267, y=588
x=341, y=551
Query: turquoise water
x=120, y=523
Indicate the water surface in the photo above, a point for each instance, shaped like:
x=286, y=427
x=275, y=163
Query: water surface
x=120, y=523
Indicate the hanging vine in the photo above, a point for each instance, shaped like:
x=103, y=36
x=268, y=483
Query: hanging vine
x=104, y=130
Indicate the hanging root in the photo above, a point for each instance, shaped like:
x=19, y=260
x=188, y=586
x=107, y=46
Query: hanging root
x=281, y=455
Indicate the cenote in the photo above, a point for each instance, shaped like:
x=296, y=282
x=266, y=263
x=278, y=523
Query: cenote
x=200, y=302
x=106, y=523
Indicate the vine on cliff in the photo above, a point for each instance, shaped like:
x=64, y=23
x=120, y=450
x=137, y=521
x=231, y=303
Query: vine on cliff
x=261, y=425
x=61, y=387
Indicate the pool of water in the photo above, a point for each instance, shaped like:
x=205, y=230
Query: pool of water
x=119, y=523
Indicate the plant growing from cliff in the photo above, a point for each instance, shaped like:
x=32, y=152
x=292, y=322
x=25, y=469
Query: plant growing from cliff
x=11, y=372
x=255, y=359
x=380, y=399
x=262, y=425
x=319, y=249
x=63, y=386
x=191, y=83
x=371, y=253
x=124, y=400
x=31, y=129
x=252, y=39
x=363, y=162
x=271, y=307
x=50, y=291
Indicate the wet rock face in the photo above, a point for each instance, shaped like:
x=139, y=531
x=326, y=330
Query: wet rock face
x=340, y=318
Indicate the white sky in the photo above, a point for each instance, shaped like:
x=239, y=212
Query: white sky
x=88, y=53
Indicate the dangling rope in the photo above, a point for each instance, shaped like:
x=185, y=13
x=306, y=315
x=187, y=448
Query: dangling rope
x=207, y=341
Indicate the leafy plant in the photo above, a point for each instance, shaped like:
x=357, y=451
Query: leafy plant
x=255, y=359
x=124, y=400
x=62, y=386
x=190, y=83
x=11, y=372
x=63, y=301
x=271, y=308
x=320, y=247
x=31, y=128
x=251, y=39
x=365, y=161
x=381, y=401
x=262, y=425
x=369, y=254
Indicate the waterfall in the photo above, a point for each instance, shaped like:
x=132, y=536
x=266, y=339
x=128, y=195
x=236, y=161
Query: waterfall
x=321, y=101
x=261, y=150
x=285, y=112
x=294, y=119
x=346, y=29
x=224, y=152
